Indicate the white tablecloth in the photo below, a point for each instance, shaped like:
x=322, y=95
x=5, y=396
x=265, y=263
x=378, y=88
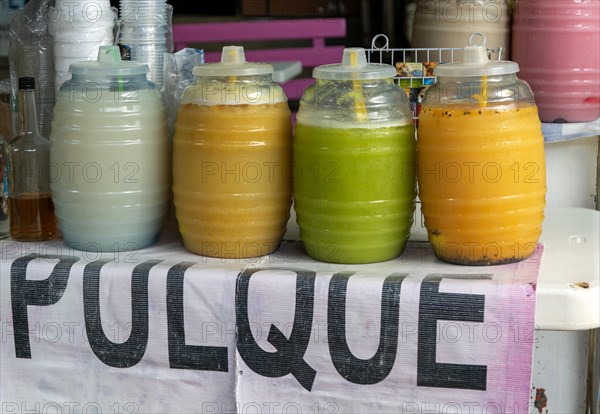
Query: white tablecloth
x=163, y=330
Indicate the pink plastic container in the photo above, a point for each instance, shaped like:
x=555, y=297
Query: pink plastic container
x=557, y=46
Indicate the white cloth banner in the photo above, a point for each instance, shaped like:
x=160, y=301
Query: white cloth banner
x=164, y=331
x=411, y=335
x=74, y=341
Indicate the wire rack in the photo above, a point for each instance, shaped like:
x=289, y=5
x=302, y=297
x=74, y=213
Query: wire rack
x=414, y=66
x=380, y=52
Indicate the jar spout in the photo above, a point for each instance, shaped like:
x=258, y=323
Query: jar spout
x=476, y=54
x=233, y=55
x=109, y=54
x=354, y=57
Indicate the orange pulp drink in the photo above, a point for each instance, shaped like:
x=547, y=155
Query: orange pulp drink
x=232, y=177
x=482, y=181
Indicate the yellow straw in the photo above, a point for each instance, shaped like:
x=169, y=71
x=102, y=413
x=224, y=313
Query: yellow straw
x=482, y=99
x=359, y=98
x=232, y=79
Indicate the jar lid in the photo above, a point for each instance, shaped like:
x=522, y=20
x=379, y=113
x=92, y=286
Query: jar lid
x=233, y=63
x=476, y=63
x=109, y=63
x=354, y=66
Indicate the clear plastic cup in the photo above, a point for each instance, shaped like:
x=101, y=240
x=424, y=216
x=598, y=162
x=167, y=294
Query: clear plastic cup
x=146, y=37
x=133, y=31
x=145, y=13
x=153, y=55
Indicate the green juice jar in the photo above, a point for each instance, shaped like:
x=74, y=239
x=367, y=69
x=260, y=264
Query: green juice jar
x=354, y=163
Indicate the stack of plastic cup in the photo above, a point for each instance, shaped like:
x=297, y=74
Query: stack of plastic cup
x=147, y=31
x=79, y=29
x=8, y=9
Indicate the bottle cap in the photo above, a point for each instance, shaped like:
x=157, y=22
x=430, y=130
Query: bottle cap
x=476, y=63
x=354, y=66
x=233, y=63
x=26, y=83
x=109, y=63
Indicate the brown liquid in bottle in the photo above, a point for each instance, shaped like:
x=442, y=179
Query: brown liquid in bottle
x=32, y=217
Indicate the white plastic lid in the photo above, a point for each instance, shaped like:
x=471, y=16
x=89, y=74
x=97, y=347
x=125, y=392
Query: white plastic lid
x=233, y=63
x=476, y=63
x=354, y=66
x=109, y=63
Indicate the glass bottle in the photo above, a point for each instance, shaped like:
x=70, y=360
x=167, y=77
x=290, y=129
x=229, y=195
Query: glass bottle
x=30, y=205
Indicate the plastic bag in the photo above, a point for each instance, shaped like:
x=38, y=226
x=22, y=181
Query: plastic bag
x=177, y=76
x=31, y=53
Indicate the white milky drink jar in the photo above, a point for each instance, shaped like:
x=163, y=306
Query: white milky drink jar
x=109, y=156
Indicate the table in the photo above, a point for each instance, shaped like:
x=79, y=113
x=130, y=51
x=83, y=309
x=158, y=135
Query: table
x=570, y=235
x=82, y=344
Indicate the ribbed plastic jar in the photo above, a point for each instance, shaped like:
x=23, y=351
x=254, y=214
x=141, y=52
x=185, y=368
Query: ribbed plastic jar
x=354, y=163
x=481, y=165
x=448, y=23
x=109, y=156
x=557, y=46
x=232, y=172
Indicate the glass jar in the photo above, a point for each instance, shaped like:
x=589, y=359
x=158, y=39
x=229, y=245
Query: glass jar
x=109, y=156
x=481, y=166
x=354, y=154
x=232, y=153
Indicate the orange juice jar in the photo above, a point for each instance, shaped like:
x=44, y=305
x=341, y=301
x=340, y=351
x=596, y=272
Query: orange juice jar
x=232, y=154
x=480, y=159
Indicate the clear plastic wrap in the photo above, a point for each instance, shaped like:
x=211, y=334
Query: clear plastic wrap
x=7, y=112
x=177, y=76
x=31, y=53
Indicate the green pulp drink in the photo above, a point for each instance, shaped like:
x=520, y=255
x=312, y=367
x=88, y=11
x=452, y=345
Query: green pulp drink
x=354, y=191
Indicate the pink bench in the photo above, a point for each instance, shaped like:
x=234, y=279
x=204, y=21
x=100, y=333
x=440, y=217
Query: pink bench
x=315, y=30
